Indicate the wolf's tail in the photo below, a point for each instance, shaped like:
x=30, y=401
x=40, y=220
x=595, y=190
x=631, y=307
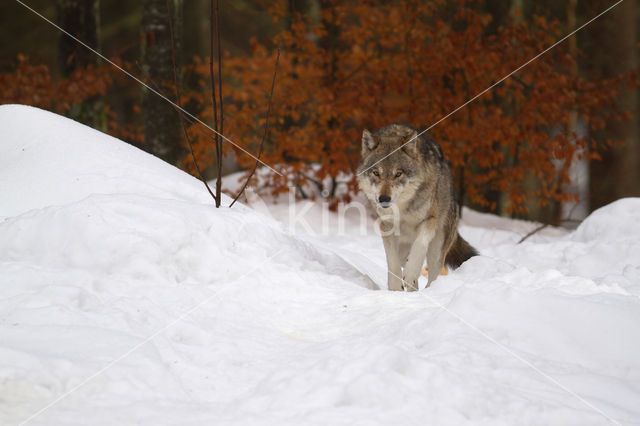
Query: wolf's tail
x=459, y=252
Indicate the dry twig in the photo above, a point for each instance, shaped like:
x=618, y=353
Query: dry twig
x=178, y=102
x=266, y=130
x=544, y=225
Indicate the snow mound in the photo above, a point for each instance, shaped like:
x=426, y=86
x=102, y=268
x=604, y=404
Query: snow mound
x=126, y=297
x=101, y=196
x=48, y=161
x=616, y=222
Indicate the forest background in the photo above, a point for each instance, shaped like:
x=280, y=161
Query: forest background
x=554, y=141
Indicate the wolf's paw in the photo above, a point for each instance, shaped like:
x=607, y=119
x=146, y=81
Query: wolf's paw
x=412, y=286
x=443, y=271
x=395, y=283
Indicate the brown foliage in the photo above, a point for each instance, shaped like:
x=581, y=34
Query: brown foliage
x=367, y=64
x=33, y=85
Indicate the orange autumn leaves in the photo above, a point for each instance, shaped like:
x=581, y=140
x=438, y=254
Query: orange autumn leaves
x=363, y=65
x=32, y=85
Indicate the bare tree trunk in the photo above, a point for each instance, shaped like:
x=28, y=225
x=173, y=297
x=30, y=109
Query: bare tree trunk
x=162, y=136
x=612, y=50
x=579, y=170
x=82, y=19
x=295, y=7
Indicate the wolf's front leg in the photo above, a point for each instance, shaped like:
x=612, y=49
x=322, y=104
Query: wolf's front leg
x=418, y=253
x=394, y=265
x=435, y=257
x=414, y=264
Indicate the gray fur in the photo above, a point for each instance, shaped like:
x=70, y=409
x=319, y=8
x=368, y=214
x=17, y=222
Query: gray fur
x=421, y=219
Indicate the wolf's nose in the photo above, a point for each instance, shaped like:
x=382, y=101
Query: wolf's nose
x=384, y=199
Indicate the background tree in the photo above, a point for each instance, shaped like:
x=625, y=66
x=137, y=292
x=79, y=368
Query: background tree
x=71, y=81
x=388, y=60
x=613, y=49
x=82, y=19
x=416, y=62
x=162, y=132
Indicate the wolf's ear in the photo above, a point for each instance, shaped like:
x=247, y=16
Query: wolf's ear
x=410, y=144
x=369, y=143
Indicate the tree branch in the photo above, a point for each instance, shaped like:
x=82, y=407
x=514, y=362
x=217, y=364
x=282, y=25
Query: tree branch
x=218, y=141
x=544, y=225
x=178, y=102
x=219, y=148
x=266, y=130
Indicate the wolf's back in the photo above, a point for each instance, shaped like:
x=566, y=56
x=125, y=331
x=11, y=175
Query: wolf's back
x=459, y=252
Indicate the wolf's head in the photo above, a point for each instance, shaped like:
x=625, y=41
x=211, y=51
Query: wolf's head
x=391, y=167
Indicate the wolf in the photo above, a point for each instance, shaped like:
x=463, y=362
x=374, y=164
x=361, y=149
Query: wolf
x=408, y=182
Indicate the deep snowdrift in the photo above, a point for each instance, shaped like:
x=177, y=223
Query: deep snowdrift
x=125, y=297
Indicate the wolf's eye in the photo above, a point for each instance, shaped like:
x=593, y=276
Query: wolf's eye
x=399, y=173
x=376, y=173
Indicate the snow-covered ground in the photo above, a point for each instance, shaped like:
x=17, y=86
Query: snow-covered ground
x=126, y=298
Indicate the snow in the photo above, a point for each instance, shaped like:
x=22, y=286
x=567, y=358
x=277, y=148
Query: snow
x=127, y=298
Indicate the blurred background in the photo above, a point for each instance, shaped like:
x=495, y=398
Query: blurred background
x=556, y=140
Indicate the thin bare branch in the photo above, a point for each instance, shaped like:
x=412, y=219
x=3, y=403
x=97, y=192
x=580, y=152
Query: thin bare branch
x=178, y=102
x=544, y=225
x=534, y=231
x=266, y=130
x=219, y=148
x=214, y=102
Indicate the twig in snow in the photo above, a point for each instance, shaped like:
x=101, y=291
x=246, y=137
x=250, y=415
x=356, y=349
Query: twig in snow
x=266, y=130
x=544, y=225
x=216, y=124
x=535, y=230
x=219, y=180
x=178, y=102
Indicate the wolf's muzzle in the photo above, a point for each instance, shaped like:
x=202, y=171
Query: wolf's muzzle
x=385, y=201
